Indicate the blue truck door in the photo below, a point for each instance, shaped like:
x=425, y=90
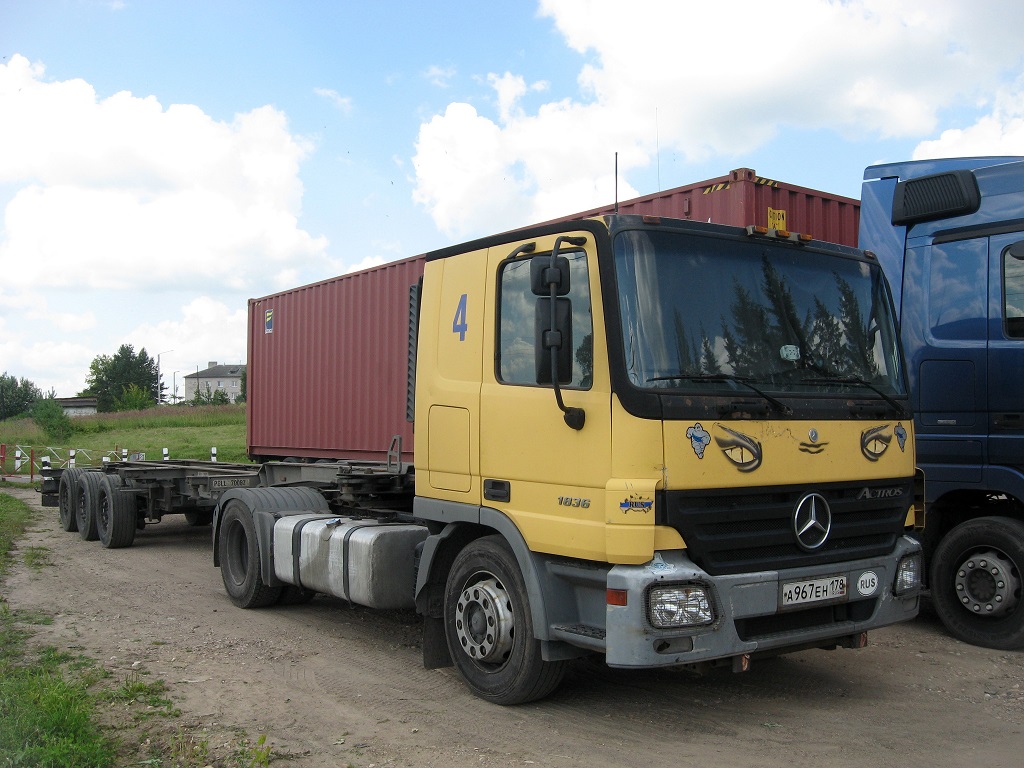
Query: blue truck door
x=951, y=363
x=1006, y=350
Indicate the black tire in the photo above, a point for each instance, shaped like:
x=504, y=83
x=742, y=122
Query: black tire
x=199, y=518
x=88, y=502
x=67, y=498
x=240, y=558
x=489, y=627
x=977, y=573
x=238, y=547
x=116, y=514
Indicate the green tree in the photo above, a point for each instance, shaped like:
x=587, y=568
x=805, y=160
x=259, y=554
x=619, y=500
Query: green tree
x=110, y=377
x=16, y=395
x=50, y=416
x=210, y=396
x=133, y=398
x=241, y=397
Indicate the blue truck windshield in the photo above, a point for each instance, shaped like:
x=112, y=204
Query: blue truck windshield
x=699, y=312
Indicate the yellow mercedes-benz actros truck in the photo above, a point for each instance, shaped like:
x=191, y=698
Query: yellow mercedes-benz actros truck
x=662, y=442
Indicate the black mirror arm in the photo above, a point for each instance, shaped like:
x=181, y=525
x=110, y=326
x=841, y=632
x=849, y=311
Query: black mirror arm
x=573, y=417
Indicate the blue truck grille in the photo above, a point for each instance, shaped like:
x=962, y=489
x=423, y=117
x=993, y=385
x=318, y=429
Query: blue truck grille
x=736, y=531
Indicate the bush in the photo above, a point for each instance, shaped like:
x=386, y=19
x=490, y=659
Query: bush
x=50, y=417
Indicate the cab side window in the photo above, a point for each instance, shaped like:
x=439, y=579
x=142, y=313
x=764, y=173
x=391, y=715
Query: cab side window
x=1013, y=290
x=516, y=347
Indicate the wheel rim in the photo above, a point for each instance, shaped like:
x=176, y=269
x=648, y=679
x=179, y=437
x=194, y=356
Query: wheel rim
x=237, y=551
x=484, y=623
x=988, y=584
x=103, y=512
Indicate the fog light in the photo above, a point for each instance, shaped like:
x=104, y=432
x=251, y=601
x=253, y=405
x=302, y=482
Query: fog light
x=679, y=606
x=908, y=575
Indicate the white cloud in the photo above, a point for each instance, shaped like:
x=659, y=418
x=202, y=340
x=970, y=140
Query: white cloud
x=438, y=76
x=121, y=193
x=702, y=81
x=1000, y=132
x=117, y=207
x=342, y=103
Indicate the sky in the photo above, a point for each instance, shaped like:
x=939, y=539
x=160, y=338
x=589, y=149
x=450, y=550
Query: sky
x=164, y=161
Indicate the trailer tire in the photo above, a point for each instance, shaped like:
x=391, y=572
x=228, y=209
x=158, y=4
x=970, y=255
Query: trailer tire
x=67, y=498
x=88, y=502
x=977, y=578
x=239, y=552
x=489, y=627
x=116, y=514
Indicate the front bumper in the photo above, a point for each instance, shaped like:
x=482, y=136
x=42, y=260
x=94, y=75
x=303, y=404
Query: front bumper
x=749, y=618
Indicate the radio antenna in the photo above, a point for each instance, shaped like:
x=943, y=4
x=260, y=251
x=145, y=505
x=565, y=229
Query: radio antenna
x=616, y=182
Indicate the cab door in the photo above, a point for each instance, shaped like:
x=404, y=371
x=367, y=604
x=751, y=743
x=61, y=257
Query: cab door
x=1006, y=350
x=548, y=477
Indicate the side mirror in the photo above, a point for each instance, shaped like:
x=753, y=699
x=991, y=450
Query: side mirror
x=543, y=274
x=547, y=338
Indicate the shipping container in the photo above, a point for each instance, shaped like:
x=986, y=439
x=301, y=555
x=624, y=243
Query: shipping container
x=328, y=373
x=328, y=367
x=742, y=198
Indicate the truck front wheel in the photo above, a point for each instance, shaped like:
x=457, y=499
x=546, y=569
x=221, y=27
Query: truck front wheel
x=976, y=582
x=240, y=559
x=489, y=627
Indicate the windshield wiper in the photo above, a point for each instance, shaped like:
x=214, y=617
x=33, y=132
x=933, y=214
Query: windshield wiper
x=720, y=378
x=857, y=381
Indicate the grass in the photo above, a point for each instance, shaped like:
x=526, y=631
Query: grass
x=61, y=710
x=186, y=432
x=45, y=715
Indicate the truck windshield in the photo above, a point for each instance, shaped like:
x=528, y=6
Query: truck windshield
x=703, y=312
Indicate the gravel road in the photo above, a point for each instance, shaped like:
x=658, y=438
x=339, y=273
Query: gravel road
x=334, y=685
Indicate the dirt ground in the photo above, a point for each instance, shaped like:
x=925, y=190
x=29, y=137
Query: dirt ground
x=335, y=685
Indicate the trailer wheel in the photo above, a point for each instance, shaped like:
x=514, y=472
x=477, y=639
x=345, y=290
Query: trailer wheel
x=489, y=627
x=976, y=582
x=240, y=559
x=116, y=514
x=88, y=502
x=67, y=498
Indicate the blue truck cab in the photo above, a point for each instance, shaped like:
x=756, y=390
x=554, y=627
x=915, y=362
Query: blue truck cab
x=949, y=235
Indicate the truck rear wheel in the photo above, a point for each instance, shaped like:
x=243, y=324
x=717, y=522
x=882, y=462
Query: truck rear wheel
x=976, y=582
x=116, y=514
x=489, y=627
x=239, y=553
x=88, y=501
x=67, y=498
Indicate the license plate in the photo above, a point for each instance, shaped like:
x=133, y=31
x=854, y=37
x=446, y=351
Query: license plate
x=813, y=591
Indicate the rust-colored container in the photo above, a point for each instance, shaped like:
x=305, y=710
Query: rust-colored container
x=742, y=198
x=327, y=367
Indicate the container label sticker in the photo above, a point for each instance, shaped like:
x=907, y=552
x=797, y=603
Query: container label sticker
x=268, y=321
x=777, y=219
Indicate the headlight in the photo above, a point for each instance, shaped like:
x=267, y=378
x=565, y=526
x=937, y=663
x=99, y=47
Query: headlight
x=908, y=575
x=679, y=606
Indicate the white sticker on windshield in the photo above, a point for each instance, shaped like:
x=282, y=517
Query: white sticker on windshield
x=790, y=352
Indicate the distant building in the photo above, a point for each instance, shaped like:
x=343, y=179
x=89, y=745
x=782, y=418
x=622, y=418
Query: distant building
x=77, y=406
x=226, y=378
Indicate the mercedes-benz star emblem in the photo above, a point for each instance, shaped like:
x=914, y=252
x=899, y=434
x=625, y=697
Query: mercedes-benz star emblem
x=812, y=521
